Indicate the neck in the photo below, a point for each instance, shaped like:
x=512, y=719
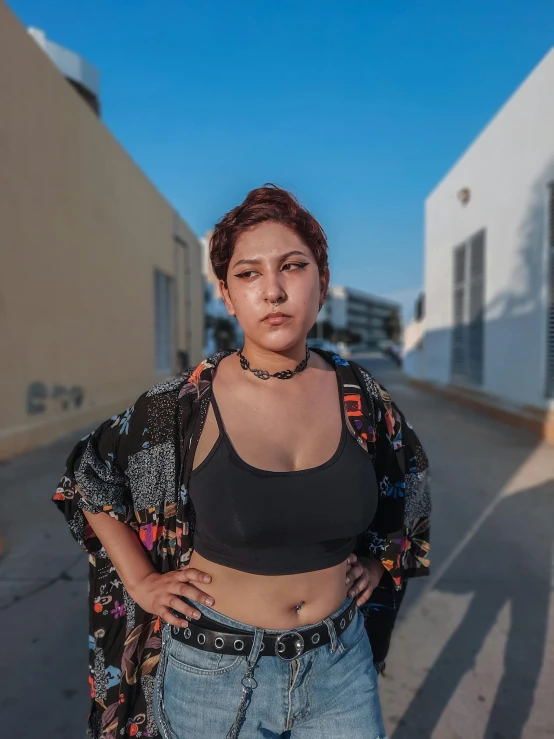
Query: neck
x=265, y=359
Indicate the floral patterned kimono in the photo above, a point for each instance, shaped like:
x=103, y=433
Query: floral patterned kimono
x=136, y=467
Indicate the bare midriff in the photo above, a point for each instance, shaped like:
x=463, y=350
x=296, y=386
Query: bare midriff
x=270, y=601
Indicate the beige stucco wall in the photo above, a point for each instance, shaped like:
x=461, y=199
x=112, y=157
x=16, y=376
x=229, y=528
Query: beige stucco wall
x=81, y=231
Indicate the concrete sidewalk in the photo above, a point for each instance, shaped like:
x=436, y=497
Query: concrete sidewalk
x=43, y=603
x=473, y=652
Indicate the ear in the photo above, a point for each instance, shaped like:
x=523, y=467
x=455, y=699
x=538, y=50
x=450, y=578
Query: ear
x=224, y=290
x=324, y=285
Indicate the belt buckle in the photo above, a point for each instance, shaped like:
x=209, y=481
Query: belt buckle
x=299, y=645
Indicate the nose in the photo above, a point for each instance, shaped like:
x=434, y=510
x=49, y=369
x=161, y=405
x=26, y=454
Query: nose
x=274, y=290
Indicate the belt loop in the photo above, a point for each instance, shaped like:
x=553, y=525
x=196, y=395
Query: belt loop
x=256, y=646
x=332, y=634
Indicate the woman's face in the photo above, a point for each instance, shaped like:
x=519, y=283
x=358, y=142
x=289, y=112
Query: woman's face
x=274, y=287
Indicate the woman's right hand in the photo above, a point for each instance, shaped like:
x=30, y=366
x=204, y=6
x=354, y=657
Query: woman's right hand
x=159, y=594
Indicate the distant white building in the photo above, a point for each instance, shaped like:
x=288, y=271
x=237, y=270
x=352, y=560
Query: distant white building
x=214, y=305
x=489, y=260
x=360, y=313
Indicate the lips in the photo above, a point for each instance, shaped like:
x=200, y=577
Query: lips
x=276, y=319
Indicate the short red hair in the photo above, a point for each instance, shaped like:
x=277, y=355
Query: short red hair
x=267, y=203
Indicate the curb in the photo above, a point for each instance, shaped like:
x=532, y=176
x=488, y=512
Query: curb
x=535, y=420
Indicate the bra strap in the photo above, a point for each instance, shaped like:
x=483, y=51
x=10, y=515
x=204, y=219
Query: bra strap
x=217, y=414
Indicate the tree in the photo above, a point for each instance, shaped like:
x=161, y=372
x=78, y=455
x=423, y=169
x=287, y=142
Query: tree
x=392, y=325
x=419, y=310
x=225, y=334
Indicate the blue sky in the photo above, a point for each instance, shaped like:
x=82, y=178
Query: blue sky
x=360, y=107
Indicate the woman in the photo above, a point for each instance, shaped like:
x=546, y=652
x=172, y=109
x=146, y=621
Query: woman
x=273, y=490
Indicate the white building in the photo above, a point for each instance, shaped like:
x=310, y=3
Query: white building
x=489, y=260
x=215, y=310
x=359, y=313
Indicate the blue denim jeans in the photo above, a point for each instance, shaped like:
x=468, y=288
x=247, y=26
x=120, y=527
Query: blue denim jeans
x=328, y=693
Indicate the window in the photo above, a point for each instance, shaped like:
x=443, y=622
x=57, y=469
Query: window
x=476, y=307
x=419, y=309
x=163, y=322
x=468, y=307
x=550, y=305
x=458, y=332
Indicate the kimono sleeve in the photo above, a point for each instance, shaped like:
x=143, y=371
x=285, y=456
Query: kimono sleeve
x=399, y=533
x=95, y=480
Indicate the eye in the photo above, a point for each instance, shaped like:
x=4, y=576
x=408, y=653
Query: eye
x=246, y=275
x=294, y=266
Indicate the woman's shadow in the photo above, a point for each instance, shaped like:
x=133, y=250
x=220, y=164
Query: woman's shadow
x=508, y=562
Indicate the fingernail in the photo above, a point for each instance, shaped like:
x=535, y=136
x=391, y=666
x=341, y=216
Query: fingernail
x=352, y=593
x=196, y=614
x=207, y=578
x=348, y=581
x=209, y=601
x=184, y=624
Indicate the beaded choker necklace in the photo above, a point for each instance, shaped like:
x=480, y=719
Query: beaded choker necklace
x=264, y=374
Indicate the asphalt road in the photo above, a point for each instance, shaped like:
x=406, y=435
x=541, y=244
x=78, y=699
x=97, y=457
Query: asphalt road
x=473, y=652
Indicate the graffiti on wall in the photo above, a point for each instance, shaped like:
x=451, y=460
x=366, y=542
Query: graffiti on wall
x=41, y=397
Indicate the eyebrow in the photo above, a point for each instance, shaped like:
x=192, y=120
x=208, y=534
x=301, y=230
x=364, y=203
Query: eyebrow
x=258, y=261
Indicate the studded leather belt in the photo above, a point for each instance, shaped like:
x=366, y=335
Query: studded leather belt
x=211, y=636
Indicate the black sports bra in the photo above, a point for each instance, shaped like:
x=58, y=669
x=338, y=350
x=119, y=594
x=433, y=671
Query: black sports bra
x=280, y=523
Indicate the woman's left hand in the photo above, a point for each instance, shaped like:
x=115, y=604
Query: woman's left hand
x=363, y=576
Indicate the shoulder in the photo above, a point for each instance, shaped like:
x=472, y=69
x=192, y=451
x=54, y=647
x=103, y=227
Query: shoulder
x=331, y=358
x=373, y=387
x=374, y=390
x=150, y=420
x=170, y=385
x=350, y=366
x=160, y=396
x=187, y=384
x=173, y=386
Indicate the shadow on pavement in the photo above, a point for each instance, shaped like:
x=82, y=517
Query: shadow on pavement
x=511, y=559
